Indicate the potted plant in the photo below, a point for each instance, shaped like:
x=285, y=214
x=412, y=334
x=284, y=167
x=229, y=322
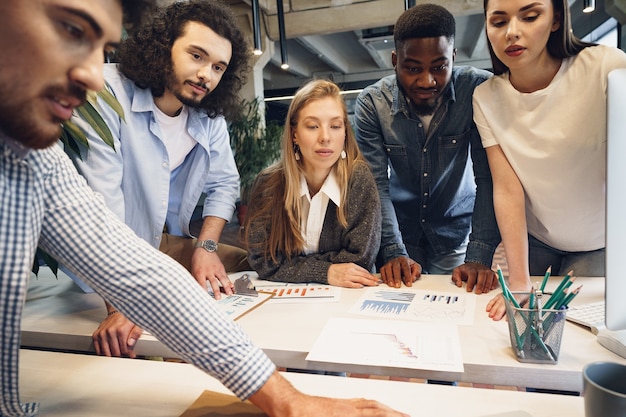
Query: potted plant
x=255, y=146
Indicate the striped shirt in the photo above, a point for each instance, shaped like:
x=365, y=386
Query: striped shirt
x=43, y=200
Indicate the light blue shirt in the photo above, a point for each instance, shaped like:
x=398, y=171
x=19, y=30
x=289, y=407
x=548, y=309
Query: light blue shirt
x=135, y=179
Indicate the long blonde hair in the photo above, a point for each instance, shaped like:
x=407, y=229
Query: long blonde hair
x=275, y=198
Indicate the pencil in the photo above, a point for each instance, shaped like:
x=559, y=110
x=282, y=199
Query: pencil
x=545, y=278
x=570, y=297
x=557, y=298
x=558, y=290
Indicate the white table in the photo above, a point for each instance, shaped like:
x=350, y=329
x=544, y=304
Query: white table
x=68, y=385
x=286, y=332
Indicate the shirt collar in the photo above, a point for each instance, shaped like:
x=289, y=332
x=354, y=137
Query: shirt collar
x=330, y=188
x=14, y=146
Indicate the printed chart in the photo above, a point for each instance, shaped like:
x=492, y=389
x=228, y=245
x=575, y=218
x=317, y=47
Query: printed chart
x=288, y=293
x=420, y=305
x=235, y=306
x=403, y=344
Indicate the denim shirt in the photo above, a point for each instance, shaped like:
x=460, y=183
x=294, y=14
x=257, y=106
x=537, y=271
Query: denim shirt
x=135, y=179
x=428, y=184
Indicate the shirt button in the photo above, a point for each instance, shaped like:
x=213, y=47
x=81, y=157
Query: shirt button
x=425, y=194
x=424, y=206
x=454, y=141
x=424, y=150
x=425, y=174
x=163, y=202
x=423, y=220
x=164, y=164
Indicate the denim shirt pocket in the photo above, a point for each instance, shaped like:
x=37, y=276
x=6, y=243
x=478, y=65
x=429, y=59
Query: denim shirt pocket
x=398, y=157
x=452, y=146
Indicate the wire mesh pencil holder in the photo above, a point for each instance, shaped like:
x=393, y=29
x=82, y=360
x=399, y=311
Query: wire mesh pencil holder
x=535, y=333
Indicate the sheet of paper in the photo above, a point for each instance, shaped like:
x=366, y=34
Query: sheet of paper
x=419, y=305
x=290, y=293
x=391, y=343
x=235, y=306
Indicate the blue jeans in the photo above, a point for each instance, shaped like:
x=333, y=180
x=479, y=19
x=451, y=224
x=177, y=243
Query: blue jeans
x=437, y=264
x=584, y=264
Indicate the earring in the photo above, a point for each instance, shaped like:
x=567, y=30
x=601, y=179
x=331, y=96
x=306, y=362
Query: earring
x=296, y=151
x=343, y=154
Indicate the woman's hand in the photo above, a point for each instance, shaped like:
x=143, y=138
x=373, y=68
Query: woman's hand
x=350, y=276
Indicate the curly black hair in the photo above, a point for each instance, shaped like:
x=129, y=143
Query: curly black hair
x=424, y=21
x=136, y=10
x=145, y=57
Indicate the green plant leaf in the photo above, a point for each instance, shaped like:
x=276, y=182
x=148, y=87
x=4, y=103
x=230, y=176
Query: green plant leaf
x=88, y=112
x=111, y=100
x=255, y=145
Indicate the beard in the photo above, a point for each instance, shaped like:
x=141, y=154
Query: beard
x=175, y=86
x=29, y=122
x=425, y=108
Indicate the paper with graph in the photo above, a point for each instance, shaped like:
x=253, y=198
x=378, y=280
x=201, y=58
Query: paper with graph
x=390, y=343
x=419, y=305
x=299, y=293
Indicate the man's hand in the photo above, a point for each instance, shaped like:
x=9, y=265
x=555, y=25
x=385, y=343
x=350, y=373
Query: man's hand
x=277, y=397
x=479, y=278
x=350, y=275
x=399, y=270
x=207, y=266
x=116, y=336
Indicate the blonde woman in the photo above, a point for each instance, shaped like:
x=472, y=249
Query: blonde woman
x=315, y=214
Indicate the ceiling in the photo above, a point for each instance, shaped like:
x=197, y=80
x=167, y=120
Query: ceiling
x=350, y=41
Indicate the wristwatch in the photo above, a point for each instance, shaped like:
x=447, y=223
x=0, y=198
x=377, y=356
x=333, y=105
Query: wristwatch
x=210, y=245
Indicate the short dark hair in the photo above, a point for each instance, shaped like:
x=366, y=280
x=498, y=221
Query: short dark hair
x=424, y=21
x=145, y=57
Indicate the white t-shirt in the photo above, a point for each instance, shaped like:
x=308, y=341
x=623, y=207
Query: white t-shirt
x=314, y=210
x=175, y=136
x=555, y=140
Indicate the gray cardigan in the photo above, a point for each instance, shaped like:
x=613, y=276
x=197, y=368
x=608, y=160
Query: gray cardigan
x=358, y=243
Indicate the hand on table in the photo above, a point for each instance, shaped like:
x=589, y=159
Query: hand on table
x=496, y=308
x=116, y=336
x=399, y=270
x=355, y=407
x=207, y=266
x=479, y=278
x=277, y=397
x=350, y=275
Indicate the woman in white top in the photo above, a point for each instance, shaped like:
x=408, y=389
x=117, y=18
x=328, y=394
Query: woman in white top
x=542, y=120
x=315, y=215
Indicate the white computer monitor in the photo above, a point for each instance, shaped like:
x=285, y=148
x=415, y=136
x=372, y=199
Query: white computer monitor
x=615, y=312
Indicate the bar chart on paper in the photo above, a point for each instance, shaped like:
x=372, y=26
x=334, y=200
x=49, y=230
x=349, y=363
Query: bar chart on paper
x=300, y=292
x=420, y=305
